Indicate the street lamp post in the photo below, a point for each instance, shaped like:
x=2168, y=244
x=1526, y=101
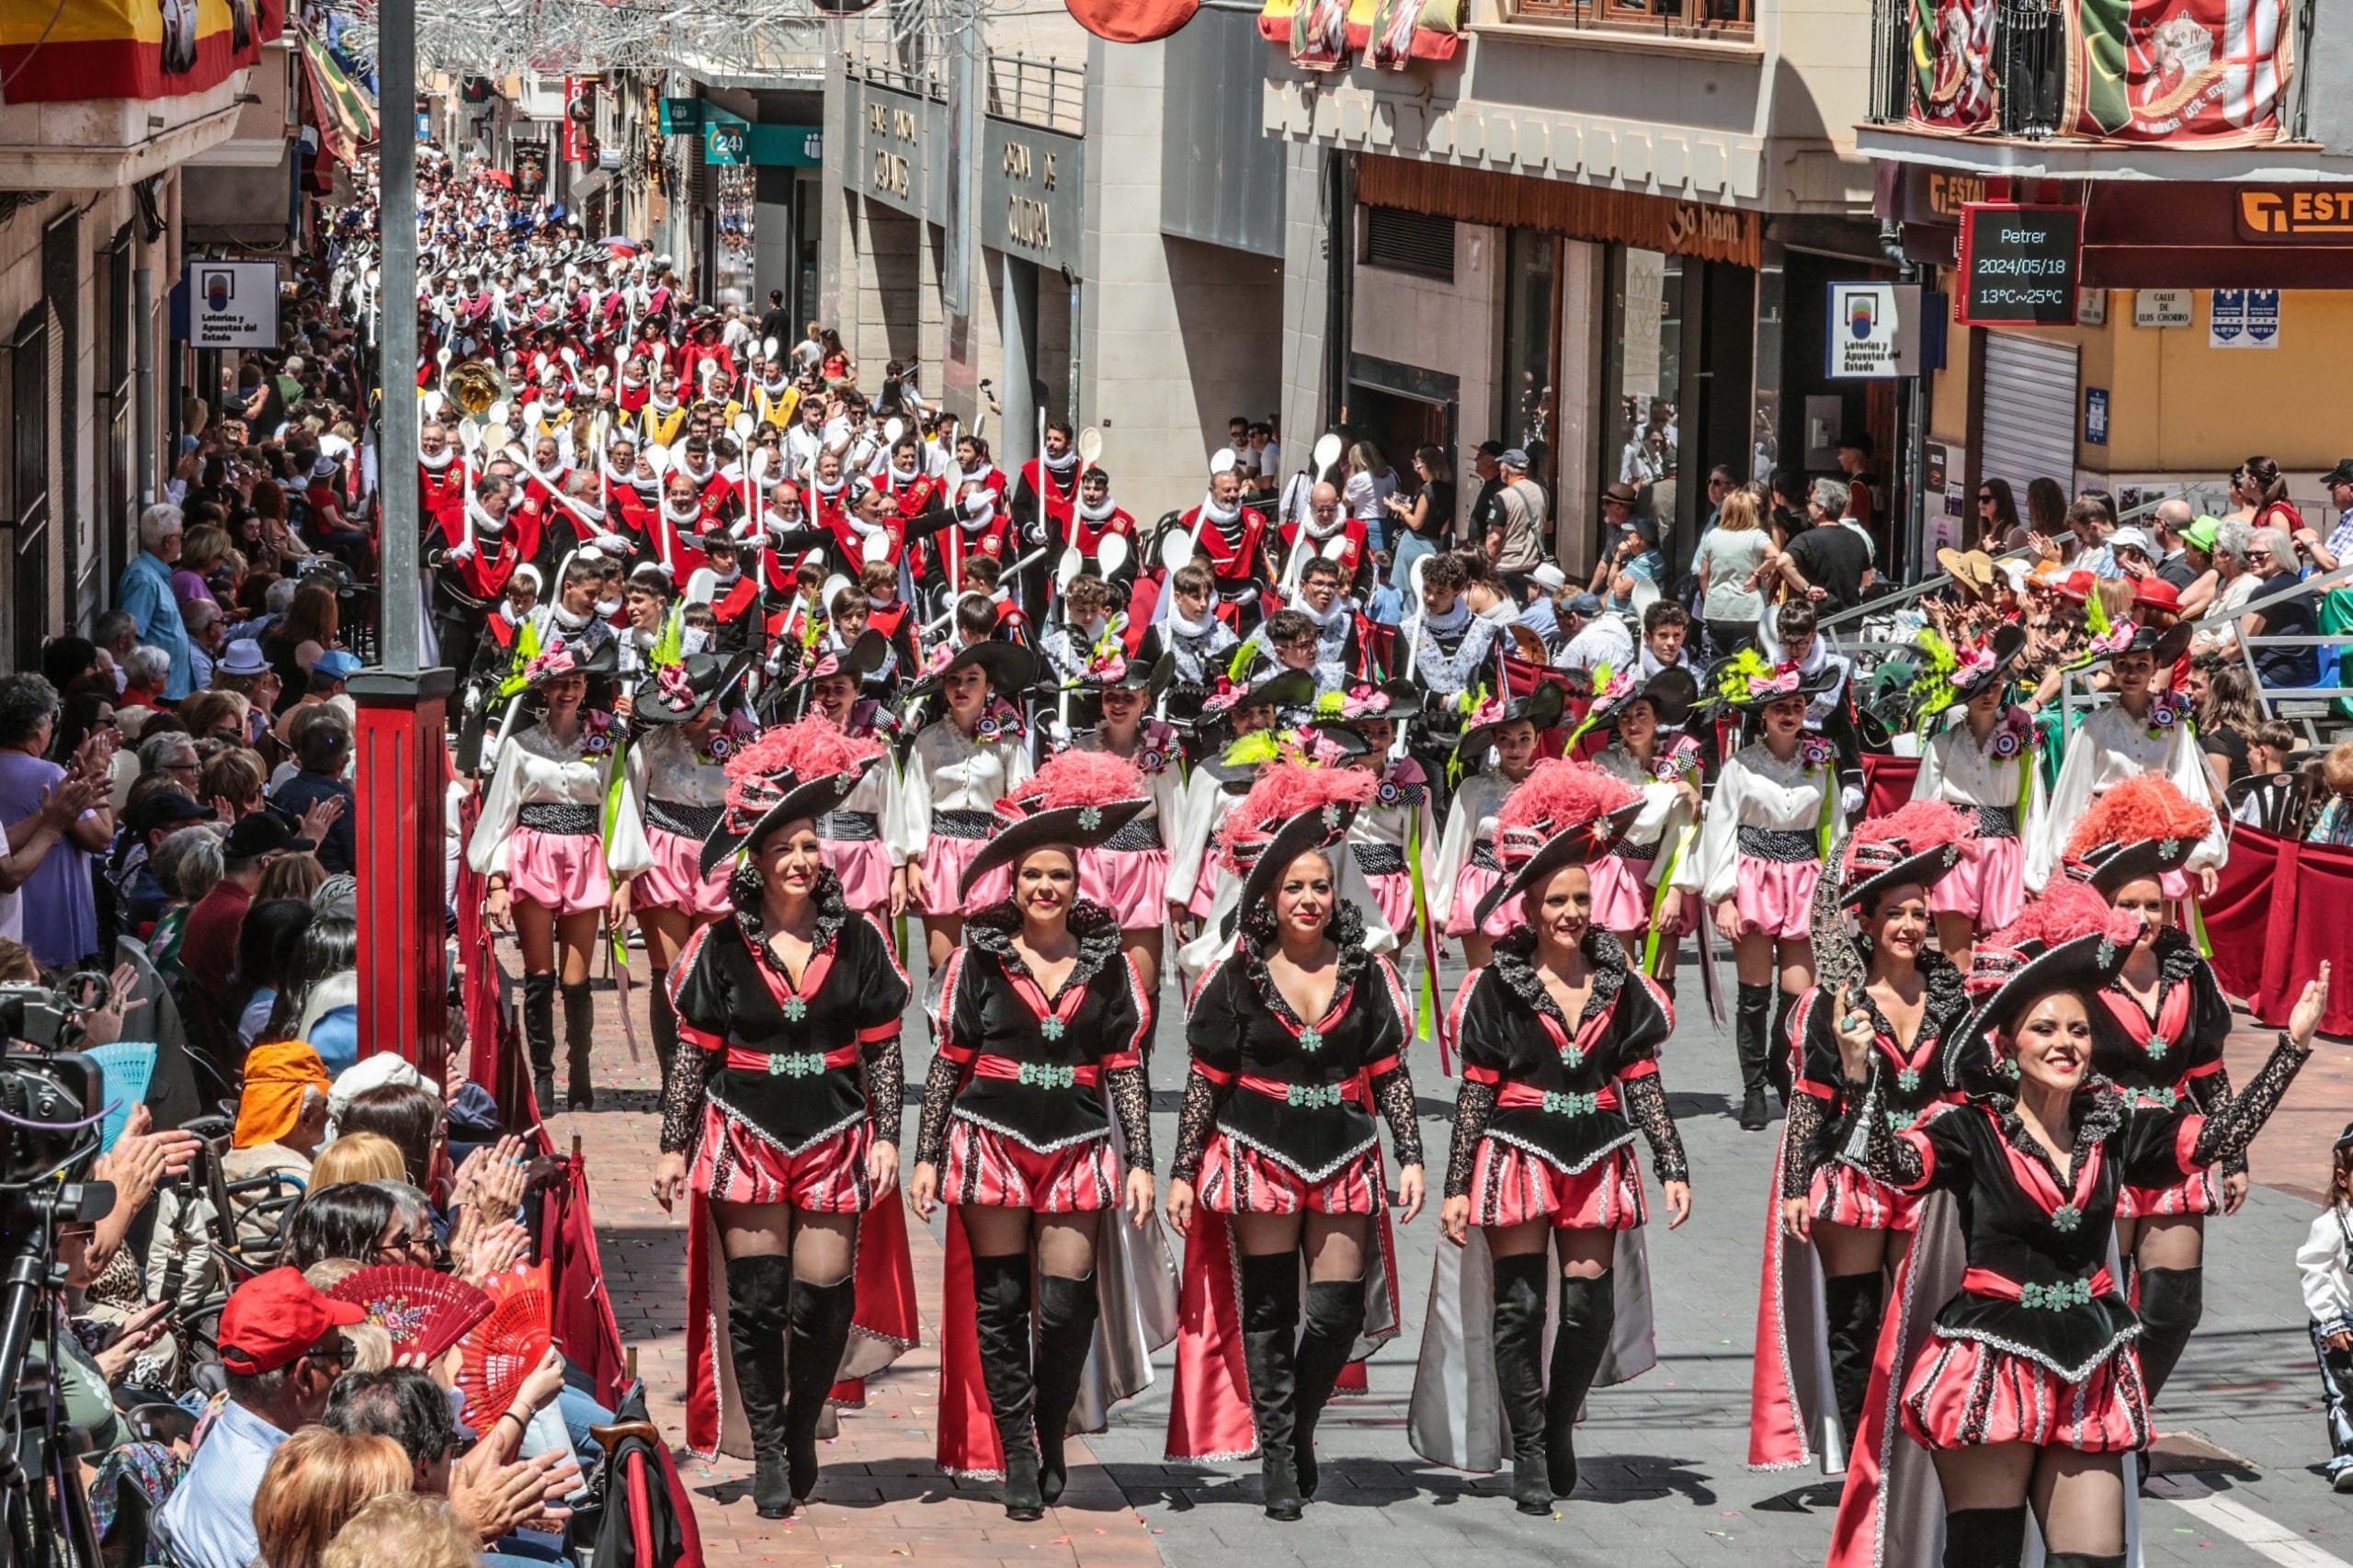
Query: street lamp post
x=402, y=758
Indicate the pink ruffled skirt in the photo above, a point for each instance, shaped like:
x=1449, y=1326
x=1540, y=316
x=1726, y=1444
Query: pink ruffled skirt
x=1622, y=901
x=1394, y=892
x=864, y=867
x=1131, y=883
x=1472, y=884
x=1776, y=897
x=675, y=880
x=562, y=871
x=944, y=860
x=1988, y=884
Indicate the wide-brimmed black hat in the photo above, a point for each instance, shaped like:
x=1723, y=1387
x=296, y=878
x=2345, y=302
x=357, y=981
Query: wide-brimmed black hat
x=1123, y=672
x=2130, y=637
x=861, y=659
x=1317, y=828
x=1017, y=831
x=1010, y=666
x=2013, y=978
x=1542, y=708
x=1887, y=863
x=1745, y=683
x=1671, y=693
x=1574, y=844
x=676, y=694
x=755, y=807
x=2108, y=867
x=1282, y=688
x=2004, y=646
x=565, y=659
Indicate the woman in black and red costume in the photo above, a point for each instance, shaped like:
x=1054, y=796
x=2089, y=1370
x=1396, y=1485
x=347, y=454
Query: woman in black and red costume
x=2025, y=1388
x=1039, y=1032
x=1856, y=1229
x=1560, y=1037
x=1296, y=1034
x=787, y=1094
x=2158, y=1033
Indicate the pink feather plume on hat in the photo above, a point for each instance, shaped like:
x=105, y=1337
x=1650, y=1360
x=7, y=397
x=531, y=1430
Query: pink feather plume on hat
x=1082, y=778
x=812, y=747
x=1918, y=825
x=1560, y=793
x=1282, y=792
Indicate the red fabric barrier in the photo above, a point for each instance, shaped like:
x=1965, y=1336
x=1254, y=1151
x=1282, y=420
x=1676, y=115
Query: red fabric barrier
x=1887, y=782
x=584, y=1325
x=2277, y=916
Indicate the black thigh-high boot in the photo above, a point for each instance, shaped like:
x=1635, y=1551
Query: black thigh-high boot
x=821, y=1315
x=1001, y=1308
x=538, y=1037
x=1519, y=1372
x=1778, y=1070
x=2172, y=1301
x=1752, y=1021
x=2082, y=1559
x=1271, y=1356
x=759, y=1296
x=1335, y=1318
x=663, y=1021
x=1985, y=1538
x=1588, y=1316
x=1666, y=983
x=579, y=1033
x=1066, y=1313
x=1854, y=1304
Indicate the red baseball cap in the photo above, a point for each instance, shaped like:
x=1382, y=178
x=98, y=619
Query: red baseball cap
x=273, y=1318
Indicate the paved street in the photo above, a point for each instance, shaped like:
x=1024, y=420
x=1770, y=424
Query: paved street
x=1663, y=1481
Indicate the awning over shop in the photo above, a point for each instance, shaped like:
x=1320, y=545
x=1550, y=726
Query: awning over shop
x=347, y=117
x=2187, y=234
x=1327, y=35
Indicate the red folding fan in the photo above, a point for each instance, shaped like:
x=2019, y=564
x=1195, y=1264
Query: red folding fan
x=503, y=1346
x=424, y=1312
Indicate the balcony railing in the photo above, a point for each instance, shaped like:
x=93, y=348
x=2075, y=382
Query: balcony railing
x=1664, y=18
x=1042, y=93
x=2029, y=65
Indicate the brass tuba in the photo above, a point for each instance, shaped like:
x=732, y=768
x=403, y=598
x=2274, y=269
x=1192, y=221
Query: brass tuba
x=475, y=386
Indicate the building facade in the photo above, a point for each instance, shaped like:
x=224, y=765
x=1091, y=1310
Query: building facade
x=1110, y=251
x=1601, y=232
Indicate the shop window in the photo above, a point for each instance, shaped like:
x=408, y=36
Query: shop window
x=1527, y=409
x=1396, y=240
x=1645, y=436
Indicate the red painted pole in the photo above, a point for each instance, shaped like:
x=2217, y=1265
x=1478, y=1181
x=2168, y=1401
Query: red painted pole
x=401, y=768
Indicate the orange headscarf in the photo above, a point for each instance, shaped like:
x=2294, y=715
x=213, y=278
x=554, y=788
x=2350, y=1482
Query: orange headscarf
x=276, y=1075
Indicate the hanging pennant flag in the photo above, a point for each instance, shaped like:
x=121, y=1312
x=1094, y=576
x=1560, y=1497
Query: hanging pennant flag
x=346, y=116
x=2211, y=72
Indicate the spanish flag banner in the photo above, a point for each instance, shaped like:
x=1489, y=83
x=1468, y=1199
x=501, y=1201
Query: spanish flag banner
x=128, y=49
x=1323, y=35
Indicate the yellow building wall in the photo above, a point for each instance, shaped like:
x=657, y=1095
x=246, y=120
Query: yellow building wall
x=2177, y=405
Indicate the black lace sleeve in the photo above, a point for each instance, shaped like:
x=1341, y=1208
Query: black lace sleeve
x=1473, y=1103
x=1195, y=1122
x=1801, y=1145
x=1646, y=1102
x=1132, y=1103
x=2214, y=1097
x=939, y=1100
x=886, y=1089
x=682, y=1089
x=1394, y=1092
x=2230, y=1128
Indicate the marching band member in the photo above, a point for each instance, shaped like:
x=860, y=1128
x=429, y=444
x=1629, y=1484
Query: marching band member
x=958, y=767
x=1647, y=893
x=1468, y=868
